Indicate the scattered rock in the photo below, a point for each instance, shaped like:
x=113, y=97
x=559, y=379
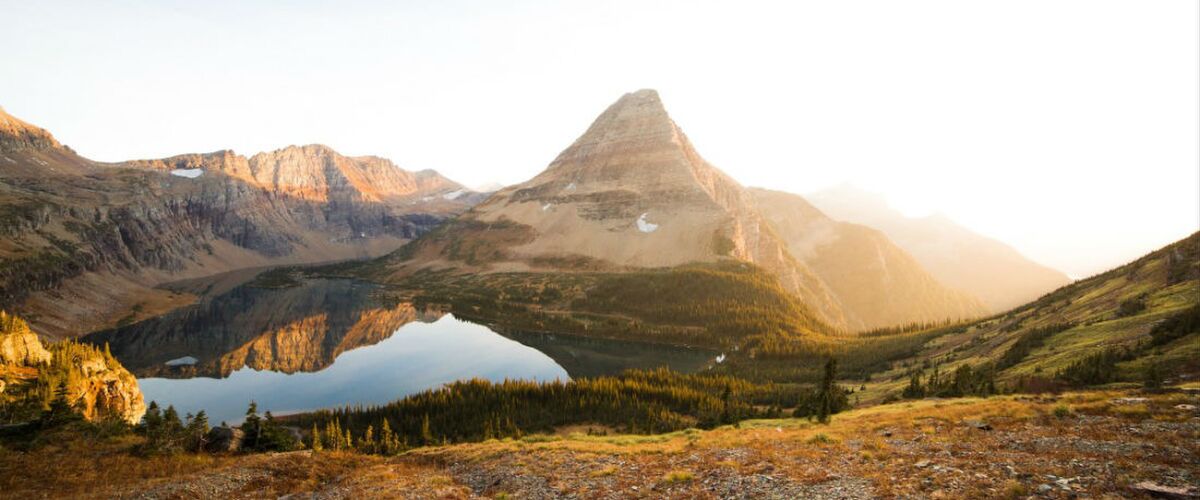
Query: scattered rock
x=922, y=464
x=1044, y=488
x=1159, y=491
x=1129, y=401
x=978, y=424
x=1185, y=407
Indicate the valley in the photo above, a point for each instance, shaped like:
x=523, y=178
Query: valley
x=630, y=322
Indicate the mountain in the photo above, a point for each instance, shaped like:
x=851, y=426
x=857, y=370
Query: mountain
x=962, y=259
x=881, y=283
x=633, y=193
x=86, y=243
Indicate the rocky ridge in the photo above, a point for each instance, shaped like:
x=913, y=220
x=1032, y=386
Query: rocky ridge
x=86, y=242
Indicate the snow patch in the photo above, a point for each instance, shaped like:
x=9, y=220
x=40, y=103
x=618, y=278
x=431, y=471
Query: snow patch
x=454, y=194
x=721, y=358
x=571, y=186
x=10, y=160
x=644, y=226
x=190, y=173
x=184, y=361
x=547, y=206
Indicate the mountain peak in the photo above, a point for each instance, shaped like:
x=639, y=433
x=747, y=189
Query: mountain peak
x=16, y=135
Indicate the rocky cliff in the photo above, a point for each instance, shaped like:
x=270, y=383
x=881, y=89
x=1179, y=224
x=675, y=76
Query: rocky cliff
x=85, y=242
x=96, y=384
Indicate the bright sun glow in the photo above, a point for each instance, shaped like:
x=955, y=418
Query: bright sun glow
x=1066, y=128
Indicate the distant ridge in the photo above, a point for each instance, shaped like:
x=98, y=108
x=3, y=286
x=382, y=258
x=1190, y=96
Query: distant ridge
x=965, y=260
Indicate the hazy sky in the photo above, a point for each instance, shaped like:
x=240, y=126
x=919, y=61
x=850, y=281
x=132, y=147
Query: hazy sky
x=1070, y=129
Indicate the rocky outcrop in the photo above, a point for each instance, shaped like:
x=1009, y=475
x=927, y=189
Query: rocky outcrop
x=104, y=387
x=16, y=135
x=19, y=345
x=95, y=382
x=224, y=439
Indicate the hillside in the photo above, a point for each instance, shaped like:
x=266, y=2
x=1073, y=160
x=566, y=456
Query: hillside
x=632, y=193
x=1110, y=328
x=85, y=243
x=867, y=272
x=964, y=260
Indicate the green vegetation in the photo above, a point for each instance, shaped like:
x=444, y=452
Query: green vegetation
x=652, y=401
x=716, y=305
x=1027, y=342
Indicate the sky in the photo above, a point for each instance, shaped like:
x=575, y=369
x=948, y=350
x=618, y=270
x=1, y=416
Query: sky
x=1068, y=129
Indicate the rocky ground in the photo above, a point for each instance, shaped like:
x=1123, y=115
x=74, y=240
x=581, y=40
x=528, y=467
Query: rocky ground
x=1082, y=445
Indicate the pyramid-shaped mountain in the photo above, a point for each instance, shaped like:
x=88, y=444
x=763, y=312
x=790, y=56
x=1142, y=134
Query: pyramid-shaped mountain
x=632, y=192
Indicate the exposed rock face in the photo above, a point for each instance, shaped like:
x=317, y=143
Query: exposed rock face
x=18, y=345
x=877, y=282
x=106, y=388
x=983, y=267
x=95, y=382
x=631, y=191
x=16, y=135
x=84, y=241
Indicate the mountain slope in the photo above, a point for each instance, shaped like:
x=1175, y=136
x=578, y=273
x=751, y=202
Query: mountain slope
x=85, y=242
x=964, y=260
x=631, y=192
x=882, y=284
x=1112, y=326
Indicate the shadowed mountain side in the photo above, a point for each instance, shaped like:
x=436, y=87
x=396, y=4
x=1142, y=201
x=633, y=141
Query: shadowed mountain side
x=875, y=280
x=297, y=329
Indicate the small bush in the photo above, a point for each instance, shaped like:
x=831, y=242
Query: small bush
x=1014, y=489
x=678, y=476
x=1062, y=411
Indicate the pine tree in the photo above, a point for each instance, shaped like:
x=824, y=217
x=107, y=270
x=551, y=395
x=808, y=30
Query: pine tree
x=426, y=435
x=315, y=438
x=367, y=444
x=197, y=432
x=826, y=404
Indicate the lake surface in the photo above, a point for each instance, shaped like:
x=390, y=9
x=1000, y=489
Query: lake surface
x=330, y=343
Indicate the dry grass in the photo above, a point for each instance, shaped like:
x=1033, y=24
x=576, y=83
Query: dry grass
x=926, y=448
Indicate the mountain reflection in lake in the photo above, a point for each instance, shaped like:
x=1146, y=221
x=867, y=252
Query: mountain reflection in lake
x=329, y=343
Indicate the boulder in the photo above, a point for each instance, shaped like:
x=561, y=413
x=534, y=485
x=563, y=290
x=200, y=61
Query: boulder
x=224, y=440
